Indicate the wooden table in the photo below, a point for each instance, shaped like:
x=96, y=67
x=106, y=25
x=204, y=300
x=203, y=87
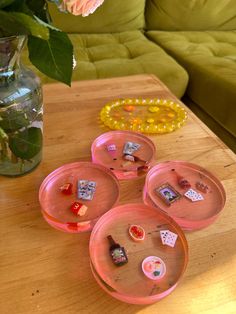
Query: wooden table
x=47, y=271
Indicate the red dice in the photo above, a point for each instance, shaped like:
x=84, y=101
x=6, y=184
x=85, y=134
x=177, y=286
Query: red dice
x=66, y=188
x=78, y=209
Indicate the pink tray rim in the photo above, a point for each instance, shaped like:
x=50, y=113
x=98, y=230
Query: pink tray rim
x=182, y=222
x=142, y=300
x=83, y=226
x=97, y=139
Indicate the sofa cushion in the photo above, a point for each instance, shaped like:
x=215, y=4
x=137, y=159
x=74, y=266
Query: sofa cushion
x=112, y=16
x=121, y=54
x=127, y=53
x=210, y=60
x=173, y=15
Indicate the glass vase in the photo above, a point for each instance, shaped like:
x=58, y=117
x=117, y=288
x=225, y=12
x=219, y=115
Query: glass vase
x=20, y=111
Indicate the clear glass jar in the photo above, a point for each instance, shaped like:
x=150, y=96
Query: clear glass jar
x=21, y=111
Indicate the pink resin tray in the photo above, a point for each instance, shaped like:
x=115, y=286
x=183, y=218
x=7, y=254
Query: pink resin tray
x=128, y=282
x=114, y=160
x=55, y=205
x=189, y=215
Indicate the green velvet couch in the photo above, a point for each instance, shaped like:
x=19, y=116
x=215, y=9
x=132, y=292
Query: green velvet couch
x=189, y=44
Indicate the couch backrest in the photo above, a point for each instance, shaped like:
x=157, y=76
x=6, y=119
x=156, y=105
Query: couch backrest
x=188, y=15
x=112, y=16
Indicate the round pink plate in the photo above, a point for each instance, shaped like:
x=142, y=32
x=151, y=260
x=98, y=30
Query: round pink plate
x=114, y=160
x=190, y=215
x=55, y=205
x=128, y=282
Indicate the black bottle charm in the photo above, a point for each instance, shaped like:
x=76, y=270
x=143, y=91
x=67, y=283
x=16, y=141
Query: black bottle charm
x=117, y=252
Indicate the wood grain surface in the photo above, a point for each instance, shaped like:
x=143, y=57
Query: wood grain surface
x=47, y=271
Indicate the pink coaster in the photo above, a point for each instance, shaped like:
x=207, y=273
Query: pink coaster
x=56, y=206
x=104, y=153
x=190, y=214
x=128, y=282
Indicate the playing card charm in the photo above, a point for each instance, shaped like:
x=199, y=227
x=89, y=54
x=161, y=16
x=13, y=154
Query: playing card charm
x=168, y=238
x=130, y=148
x=86, y=189
x=193, y=195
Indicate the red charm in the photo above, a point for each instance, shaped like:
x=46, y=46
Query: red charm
x=183, y=183
x=78, y=209
x=66, y=188
x=137, y=233
x=202, y=187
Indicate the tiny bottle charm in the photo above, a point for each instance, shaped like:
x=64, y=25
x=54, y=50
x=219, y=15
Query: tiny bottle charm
x=117, y=252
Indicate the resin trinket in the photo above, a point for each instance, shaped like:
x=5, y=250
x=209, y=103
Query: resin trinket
x=183, y=183
x=117, y=252
x=137, y=233
x=153, y=267
x=168, y=193
x=66, y=188
x=78, y=209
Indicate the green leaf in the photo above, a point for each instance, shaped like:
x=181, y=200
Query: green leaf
x=10, y=26
x=11, y=122
x=26, y=144
x=34, y=27
x=53, y=57
x=5, y=3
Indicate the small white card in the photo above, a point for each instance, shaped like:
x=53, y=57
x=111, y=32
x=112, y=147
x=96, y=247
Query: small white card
x=193, y=195
x=168, y=238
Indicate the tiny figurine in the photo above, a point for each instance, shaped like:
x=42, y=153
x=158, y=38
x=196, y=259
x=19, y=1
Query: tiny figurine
x=193, y=195
x=202, y=187
x=168, y=238
x=153, y=267
x=168, y=193
x=78, y=209
x=117, y=252
x=86, y=189
x=137, y=233
x=66, y=188
x=183, y=183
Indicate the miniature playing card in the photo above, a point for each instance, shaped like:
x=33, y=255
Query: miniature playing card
x=168, y=238
x=86, y=189
x=171, y=239
x=193, y=195
x=130, y=148
x=163, y=234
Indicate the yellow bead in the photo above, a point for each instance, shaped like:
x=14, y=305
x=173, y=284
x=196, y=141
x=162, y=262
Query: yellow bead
x=150, y=120
x=153, y=109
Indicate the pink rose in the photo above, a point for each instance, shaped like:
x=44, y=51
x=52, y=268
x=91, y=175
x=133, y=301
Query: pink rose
x=81, y=7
